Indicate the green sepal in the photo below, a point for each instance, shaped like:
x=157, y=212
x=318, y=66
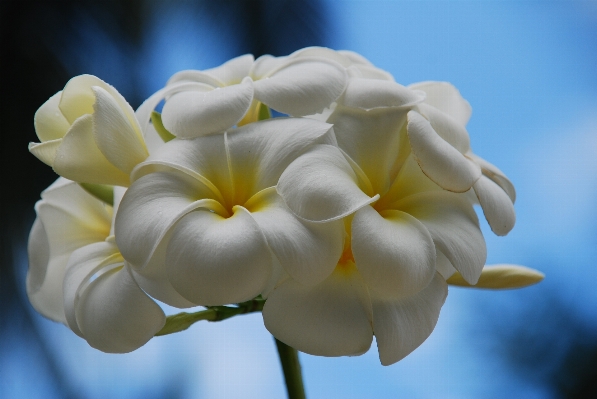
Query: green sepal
x=264, y=112
x=102, y=192
x=182, y=321
x=156, y=120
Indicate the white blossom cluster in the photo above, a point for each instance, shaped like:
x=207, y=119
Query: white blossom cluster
x=348, y=213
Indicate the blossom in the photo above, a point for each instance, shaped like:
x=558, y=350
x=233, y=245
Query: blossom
x=403, y=230
x=214, y=100
x=78, y=277
x=89, y=133
x=202, y=223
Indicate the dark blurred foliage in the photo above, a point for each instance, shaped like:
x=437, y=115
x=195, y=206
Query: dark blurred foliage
x=42, y=45
x=547, y=343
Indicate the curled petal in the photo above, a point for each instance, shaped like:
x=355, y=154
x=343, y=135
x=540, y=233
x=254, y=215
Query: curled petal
x=393, y=251
x=265, y=64
x=400, y=326
x=192, y=114
x=454, y=227
x=38, y=251
x=214, y=260
x=368, y=94
x=302, y=86
x=45, y=152
x=78, y=157
x=501, y=277
x=497, y=206
x=117, y=136
x=443, y=265
x=150, y=207
x=329, y=319
x=441, y=162
x=192, y=75
x=233, y=71
x=447, y=128
x=307, y=251
x=445, y=97
x=321, y=186
x=496, y=175
x=49, y=122
x=259, y=152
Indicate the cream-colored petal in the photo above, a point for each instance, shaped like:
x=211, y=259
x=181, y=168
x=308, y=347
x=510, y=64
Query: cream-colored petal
x=259, y=152
x=393, y=251
x=496, y=175
x=441, y=162
x=368, y=94
x=120, y=141
x=400, y=326
x=501, y=277
x=320, y=185
x=45, y=152
x=447, y=128
x=454, y=227
x=372, y=139
x=445, y=97
x=302, y=86
x=192, y=114
x=307, y=251
x=78, y=157
x=497, y=206
x=213, y=260
x=78, y=98
x=38, y=251
x=332, y=318
x=49, y=122
x=150, y=207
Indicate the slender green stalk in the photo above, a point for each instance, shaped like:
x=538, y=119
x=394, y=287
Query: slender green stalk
x=292, y=370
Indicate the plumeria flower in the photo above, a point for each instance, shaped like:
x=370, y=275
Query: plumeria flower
x=89, y=133
x=217, y=99
x=448, y=113
x=78, y=277
x=202, y=223
x=402, y=232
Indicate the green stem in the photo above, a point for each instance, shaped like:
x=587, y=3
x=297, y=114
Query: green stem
x=292, y=370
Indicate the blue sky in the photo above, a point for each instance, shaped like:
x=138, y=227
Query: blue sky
x=529, y=70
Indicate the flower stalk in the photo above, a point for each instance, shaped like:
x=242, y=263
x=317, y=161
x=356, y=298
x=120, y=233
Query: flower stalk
x=292, y=370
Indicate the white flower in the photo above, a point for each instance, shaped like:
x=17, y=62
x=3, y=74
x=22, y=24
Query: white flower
x=202, y=223
x=214, y=100
x=403, y=231
x=78, y=277
x=89, y=133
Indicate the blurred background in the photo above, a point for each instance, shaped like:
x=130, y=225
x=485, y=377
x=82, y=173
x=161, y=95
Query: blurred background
x=529, y=69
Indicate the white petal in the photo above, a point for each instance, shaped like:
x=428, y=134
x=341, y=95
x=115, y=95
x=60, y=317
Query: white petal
x=329, y=319
x=454, y=226
x=497, y=206
x=447, y=128
x=320, y=185
x=502, y=277
x=118, y=137
x=441, y=162
x=302, y=86
x=393, y=251
x=192, y=114
x=368, y=94
x=49, y=122
x=115, y=315
x=266, y=64
x=45, y=152
x=233, y=71
x=78, y=157
x=498, y=177
x=84, y=264
x=401, y=326
x=443, y=265
x=259, y=152
x=214, y=260
x=74, y=219
x=150, y=207
x=372, y=139
x=143, y=113
x=446, y=98
x=307, y=251
x=192, y=75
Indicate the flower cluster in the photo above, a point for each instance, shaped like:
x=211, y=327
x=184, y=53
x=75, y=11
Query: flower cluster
x=349, y=214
